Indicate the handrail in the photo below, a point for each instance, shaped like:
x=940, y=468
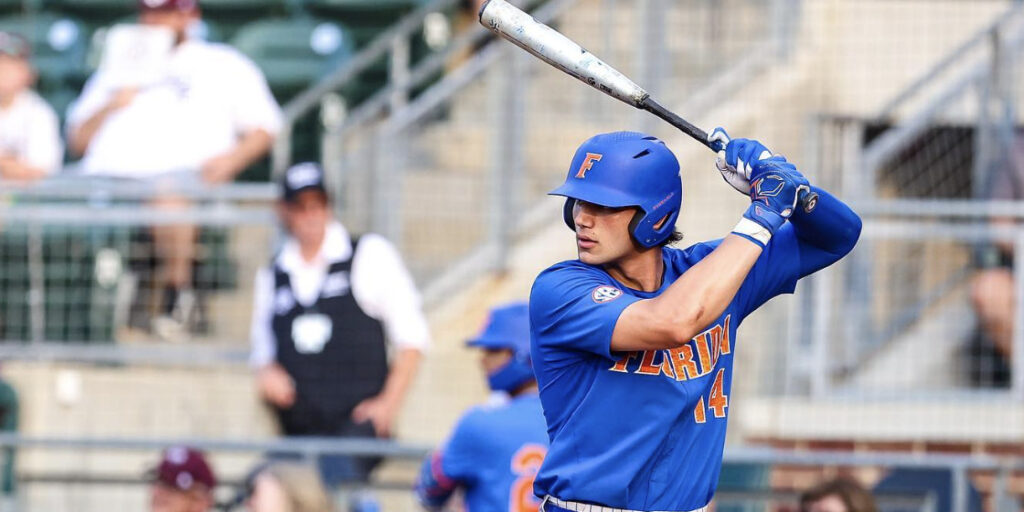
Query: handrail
x=971, y=209
x=979, y=38
x=309, y=446
x=426, y=68
x=380, y=46
x=414, y=451
x=190, y=355
x=91, y=188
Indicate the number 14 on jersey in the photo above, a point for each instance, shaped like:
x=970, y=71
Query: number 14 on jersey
x=717, y=401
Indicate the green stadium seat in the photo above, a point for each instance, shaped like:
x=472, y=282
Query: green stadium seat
x=231, y=15
x=294, y=53
x=10, y=410
x=76, y=307
x=743, y=478
x=79, y=303
x=11, y=7
x=58, y=47
x=363, y=14
x=94, y=13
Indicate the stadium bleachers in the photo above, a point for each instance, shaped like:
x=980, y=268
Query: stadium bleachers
x=444, y=200
x=294, y=42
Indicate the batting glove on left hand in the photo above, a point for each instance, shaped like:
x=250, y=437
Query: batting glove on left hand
x=737, y=158
x=776, y=188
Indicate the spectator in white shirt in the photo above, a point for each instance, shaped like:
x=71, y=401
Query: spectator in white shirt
x=30, y=146
x=326, y=312
x=208, y=117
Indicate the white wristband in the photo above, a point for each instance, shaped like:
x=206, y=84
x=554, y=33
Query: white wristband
x=753, y=230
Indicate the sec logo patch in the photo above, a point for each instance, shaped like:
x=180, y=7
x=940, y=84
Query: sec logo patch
x=603, y=294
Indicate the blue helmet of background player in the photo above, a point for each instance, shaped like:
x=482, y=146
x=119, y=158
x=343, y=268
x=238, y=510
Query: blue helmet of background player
x=508, y=327
x=623, y=169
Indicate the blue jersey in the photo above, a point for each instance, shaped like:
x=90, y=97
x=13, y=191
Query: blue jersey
x=638, y=430
x=493, y=455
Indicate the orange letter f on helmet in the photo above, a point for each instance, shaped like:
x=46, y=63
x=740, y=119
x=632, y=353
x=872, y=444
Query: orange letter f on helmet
x=588, y=162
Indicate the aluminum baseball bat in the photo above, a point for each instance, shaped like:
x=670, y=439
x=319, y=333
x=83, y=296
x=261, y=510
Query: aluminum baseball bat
x=547, y=44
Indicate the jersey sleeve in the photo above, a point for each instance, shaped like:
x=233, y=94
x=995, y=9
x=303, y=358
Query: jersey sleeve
x=775, y=272
x=433, y=488
x=574, y=309
x=461, y=455
x=456, y=464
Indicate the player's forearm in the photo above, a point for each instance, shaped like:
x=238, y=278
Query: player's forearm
x=826, y=234
x=400, y=377
x=702, y=293
x=689, y=304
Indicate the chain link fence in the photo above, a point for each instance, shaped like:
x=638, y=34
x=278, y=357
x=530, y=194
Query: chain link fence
x=80, y=262
x=886, y=351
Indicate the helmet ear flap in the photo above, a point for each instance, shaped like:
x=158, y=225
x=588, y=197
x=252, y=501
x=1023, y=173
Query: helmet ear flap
x=635, y=223
x=567, y=213
x=647, y=236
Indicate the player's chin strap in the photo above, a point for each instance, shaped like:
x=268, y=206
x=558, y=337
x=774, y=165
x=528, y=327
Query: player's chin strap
x=553, y=504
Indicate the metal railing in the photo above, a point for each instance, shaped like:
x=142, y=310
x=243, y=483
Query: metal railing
x=386, y=154
x=913, y=184
x=960, y=467
x=393, y=42
x=77, y=257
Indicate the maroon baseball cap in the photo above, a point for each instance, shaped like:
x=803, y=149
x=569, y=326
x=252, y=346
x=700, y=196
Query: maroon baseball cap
x=182, y=468
x=168, y=5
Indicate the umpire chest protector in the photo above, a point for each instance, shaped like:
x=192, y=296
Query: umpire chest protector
x=333, y=350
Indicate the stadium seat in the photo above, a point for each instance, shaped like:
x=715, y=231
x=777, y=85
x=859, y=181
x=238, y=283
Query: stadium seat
x=60, y=99
x=360, y=14
x=58, y=47
x=76, y=307
x=11, y=7
x=94, y=13
x=743, y=478
x=231, y=15
x=10, y=411
x=294, y=53
x=923, y=481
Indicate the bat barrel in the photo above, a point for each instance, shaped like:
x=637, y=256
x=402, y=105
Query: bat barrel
x=511, y=23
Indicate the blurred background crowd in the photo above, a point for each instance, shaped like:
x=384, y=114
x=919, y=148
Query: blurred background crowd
x=200, y=199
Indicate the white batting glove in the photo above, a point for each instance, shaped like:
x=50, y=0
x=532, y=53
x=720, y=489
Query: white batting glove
x=736, y=158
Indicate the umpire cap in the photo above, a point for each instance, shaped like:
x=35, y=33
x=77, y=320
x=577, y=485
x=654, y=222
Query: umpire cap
x=300, y=178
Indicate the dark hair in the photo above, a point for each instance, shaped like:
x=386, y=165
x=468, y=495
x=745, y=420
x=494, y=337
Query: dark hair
x=673, y=239
x=854, y=496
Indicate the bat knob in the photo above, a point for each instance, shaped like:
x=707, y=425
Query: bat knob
x=809, y=201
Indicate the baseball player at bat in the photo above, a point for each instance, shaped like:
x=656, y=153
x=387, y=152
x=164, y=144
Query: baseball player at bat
x=633, y=342
x=495, y=451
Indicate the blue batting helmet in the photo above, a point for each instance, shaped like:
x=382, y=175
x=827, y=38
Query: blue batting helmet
x=508, y=328
x=623, y=169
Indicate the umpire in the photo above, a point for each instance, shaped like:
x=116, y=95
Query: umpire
x=326, y=314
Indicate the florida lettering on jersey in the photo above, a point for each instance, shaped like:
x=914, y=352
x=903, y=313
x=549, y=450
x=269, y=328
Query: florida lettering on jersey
x=695, y=359
x=666, y=453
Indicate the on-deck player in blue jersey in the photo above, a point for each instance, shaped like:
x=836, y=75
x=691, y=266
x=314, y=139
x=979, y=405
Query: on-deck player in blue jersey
x=633, y=342
x=496, y=450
